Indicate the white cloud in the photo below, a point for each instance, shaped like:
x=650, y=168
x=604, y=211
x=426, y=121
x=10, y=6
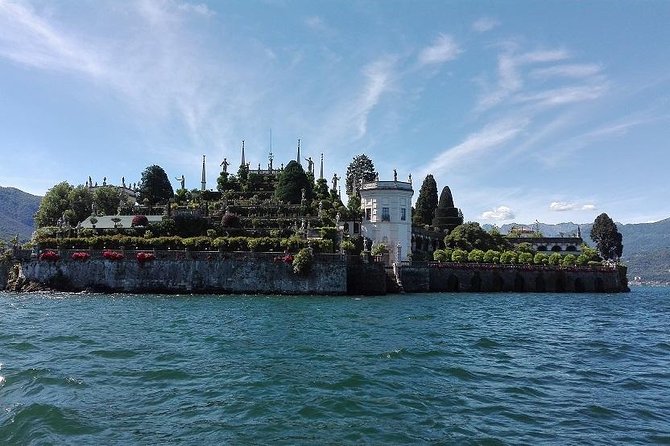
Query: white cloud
x=315, y=23
x=492, y=136
x=568, y=70
x=443, y=49
x=566, y=95
x=485, y=24
x=499, y=213
x=29, y=40
x=378, y=76
x=562, y=206
x=199, y=8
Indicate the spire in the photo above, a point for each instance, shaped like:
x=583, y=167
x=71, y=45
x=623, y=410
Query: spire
x=243, y=162
x=298, y=158
x=321, y=169
x=270, y=156
x=204, y=176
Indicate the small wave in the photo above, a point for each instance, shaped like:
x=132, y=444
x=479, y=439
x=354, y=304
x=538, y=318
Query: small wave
x=486, y=343
x=461, y=373
x=525, y=390
x=22, y=346
x=40, y=423
x=165, y=375
x=2, y=381
x=600, y=411
x=115, y=354
x=393, y=354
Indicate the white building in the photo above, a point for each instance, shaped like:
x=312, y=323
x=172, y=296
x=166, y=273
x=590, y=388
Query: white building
x=387, y=216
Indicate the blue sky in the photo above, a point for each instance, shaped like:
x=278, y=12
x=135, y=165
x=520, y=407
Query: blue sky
x=552, y=111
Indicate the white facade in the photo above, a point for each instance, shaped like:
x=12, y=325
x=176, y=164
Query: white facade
x=387, y=216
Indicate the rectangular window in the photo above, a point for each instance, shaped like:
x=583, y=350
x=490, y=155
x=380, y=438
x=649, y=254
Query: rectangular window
x=386, y=215
x=368, y=214
x=403, y=214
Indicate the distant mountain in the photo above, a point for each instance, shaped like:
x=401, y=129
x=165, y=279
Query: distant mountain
x=17, y=212
x=646, y=246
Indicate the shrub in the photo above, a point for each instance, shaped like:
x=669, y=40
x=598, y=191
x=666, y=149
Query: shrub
x=508, y=258
x=555, y=259
x=81, y=256
x=569, y=260
x=50, y=256
x=440, y=256
x=525, y=258
x=540, y=259
x=476, y=255
x=139, y=220
x=379, y=249
x=492, y=256
x=230, y=220
x=302, y=262
x=459, y=255
x=188, y=225
x=348, y=246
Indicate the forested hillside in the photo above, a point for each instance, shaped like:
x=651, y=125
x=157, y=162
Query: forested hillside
x=17, y=210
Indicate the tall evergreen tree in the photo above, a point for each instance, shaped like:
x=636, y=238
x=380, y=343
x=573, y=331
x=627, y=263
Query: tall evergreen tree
x=607, y=237
x=155, y=185
x=290, y=183
x=427, y=202
x=360, y=170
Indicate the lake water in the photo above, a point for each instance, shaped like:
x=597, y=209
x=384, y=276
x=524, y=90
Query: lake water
x=409, y=369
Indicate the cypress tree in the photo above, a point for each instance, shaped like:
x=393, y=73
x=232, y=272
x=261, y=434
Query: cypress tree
x=292, y=180
x=427, y=202
x=607, y=237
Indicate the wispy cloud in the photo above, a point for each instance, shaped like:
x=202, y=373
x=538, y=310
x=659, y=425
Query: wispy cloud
x=562, y=206
x=443, y=49
x=568, y=70
x=485, y=24
x=316, y=23
x=499, y=213
x=378, y=80
x=30, y=40
x=199, y=8
x=492, y=136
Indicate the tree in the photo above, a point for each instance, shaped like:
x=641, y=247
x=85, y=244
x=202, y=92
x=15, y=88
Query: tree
x=360, y=170
x=607, y=237
x=155, y=186
x=469, y=236
x=321, y=189
x=291, y=182
x=107, y=199
x=81, y=201
x=53, y=205
x=426, y=203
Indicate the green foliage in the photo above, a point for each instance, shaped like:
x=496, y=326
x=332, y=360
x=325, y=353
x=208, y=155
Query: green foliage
x=582, y=260
x=230, y=220
x=360, y=170
x=476, y=255
x=379, y=249
x=53, y=205
x=607, y=237
x=508, y=258
x=426, y=203
x=17, y=213
x=155, y=186
x=492, y=256
x=291, y=182
x=348, y=246
x=302, y=262
x=459, y=255
x=107, y=200
x=81, y=202
x=321, y=189
x=569, y=260
x=439, y=255
x=590, y=253
x=524, y=247
x=525, y=258
x=469, y=236
x=541, y=259
x=555, y=259
x=188, y=225
x=354, y=206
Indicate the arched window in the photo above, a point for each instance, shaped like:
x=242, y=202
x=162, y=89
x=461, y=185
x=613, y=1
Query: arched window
x=556, y=248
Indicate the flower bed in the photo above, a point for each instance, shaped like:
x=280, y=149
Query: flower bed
x=50, y=256
x=112, y=255
x=80, y=256
x=143, y=257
